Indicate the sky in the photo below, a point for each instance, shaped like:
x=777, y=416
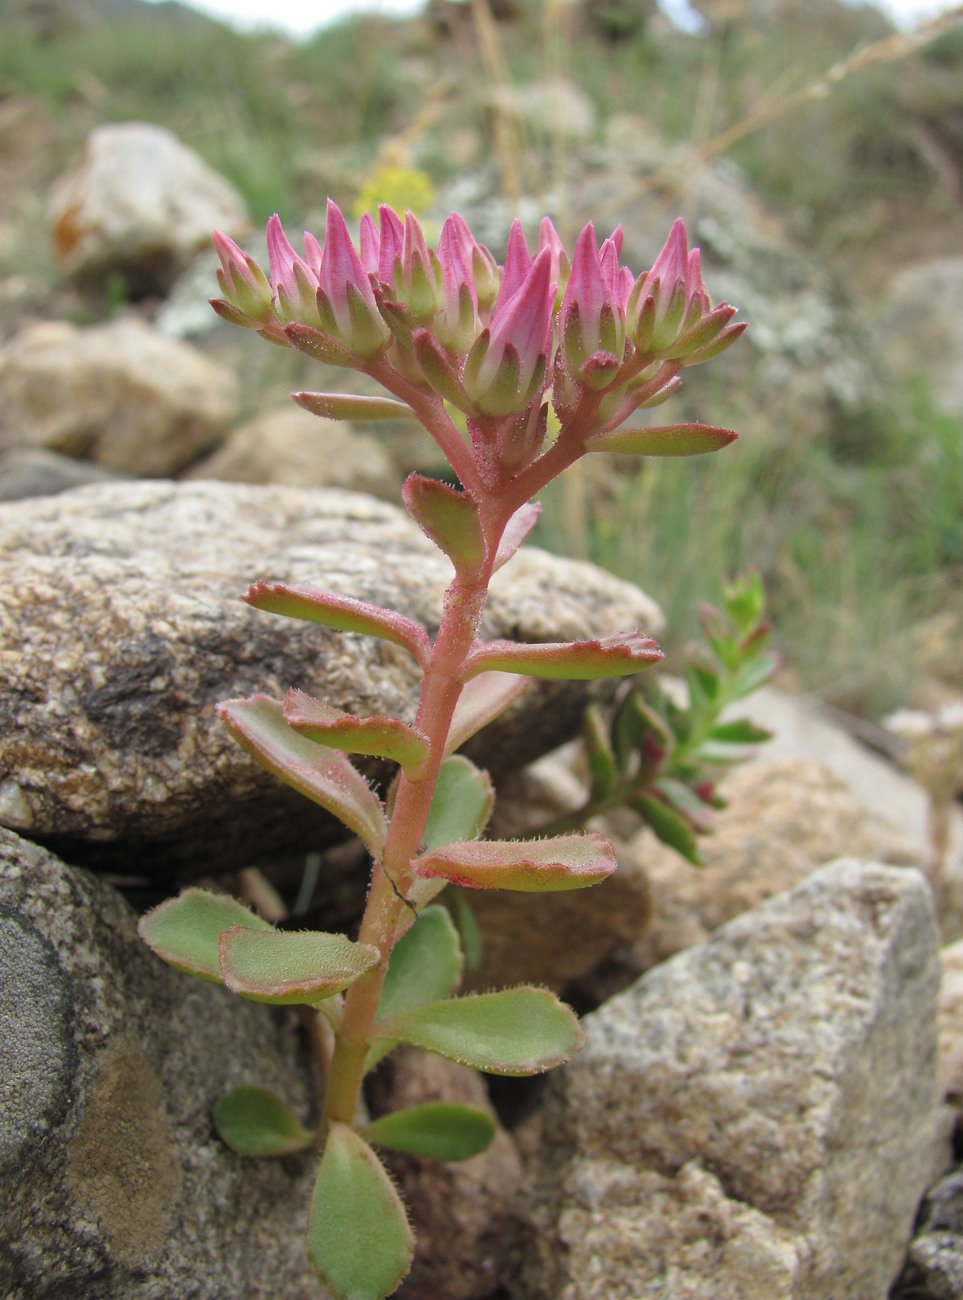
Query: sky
x=300, y=17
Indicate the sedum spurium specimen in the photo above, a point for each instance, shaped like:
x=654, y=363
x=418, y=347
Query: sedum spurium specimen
x=442, y=330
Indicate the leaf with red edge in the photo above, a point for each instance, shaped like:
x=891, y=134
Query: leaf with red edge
x=482, y=700
x=324, y=775
x=448, y=517
x=531, y=866
x=291, y=966
x=618, y=655
x=341, y=613
x=381, y=736
x=691, y=439
x=185, y=930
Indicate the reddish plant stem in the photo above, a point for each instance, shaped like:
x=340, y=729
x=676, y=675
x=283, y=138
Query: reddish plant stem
x=386, y=906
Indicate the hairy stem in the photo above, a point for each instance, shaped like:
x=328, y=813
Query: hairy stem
x=387, y=908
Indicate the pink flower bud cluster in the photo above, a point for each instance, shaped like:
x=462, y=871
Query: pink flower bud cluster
x=491, y=340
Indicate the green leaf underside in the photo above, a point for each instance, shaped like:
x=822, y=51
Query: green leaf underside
x=448, y=517
x=533, y=866
x=324, y=775
x=441, y=1130
x=619, y=655
x=425, y=964
x=664, y=440
x=351, y=406
x=671, y=828
x=514, y=1031
x=185, y=931
x=481, y=701
x=359, y=1240
x=254, y=1122
x=288, y=966
x=340, y=613
x=462, y=803
x=381, y=736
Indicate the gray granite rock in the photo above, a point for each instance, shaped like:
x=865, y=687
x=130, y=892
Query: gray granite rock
x=34, y=472
x=756, y=1118
x=121, y=395
x=139, y=202
x=115, y=1184
x=934, y=1261
x=121, y=629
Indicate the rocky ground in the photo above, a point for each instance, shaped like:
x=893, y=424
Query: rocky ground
x=767, y=1103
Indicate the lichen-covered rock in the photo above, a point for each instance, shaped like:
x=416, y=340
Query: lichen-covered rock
x=115, y=1183
x=121, y=628
x=140, y=203
x=756, y=1118
x=121, y=395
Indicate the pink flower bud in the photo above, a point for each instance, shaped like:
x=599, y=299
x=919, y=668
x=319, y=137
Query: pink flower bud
x=507, y=366
x=346, y=300
x=295, y=284
x=669, y=313
x=457, y=324
x=243, y=283
x=592, y=317
x=417, y=276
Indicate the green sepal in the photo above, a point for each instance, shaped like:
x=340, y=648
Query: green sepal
x=599, y=755
x=530, y=866
x=320, y=345
x=359, y=1240
x=291, y=966
x=664, y=440
x=669, y=826
x=619, y=655
x=449, y=518
x=441, y=1130
x=324, y=775
x=461, y=805
x=514, y=1031
x=381, y=736
x=185, y=931
x=425, y=964
x=341, y=613
x=351, y=406
x=254, y=1122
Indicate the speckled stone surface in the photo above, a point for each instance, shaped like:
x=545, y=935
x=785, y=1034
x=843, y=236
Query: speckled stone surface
x=121, y=628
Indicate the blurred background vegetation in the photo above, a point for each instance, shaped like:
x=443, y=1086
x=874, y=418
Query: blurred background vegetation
x=848, y=137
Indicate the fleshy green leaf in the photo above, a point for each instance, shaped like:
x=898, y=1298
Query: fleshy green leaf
x=740, y=732
x=448, y=517
x=462, y=803
x=630, y=724
x=425, y=964
x=359, y=1240
x=664, y=440
x=684, y=800
x=469, y=931
x=519, y=526
x=482, y=700
x=441, y=1130
x=324, y=775
x=254, y=1122
x=532, y=866
x=669, y=826
x=603, y=771
x=752, y=675
x=618, y=655
x=340, y=613
x=379, y=735
x=291, y=965
x=514, y=1031
x=185, y=930
x=349, y=406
